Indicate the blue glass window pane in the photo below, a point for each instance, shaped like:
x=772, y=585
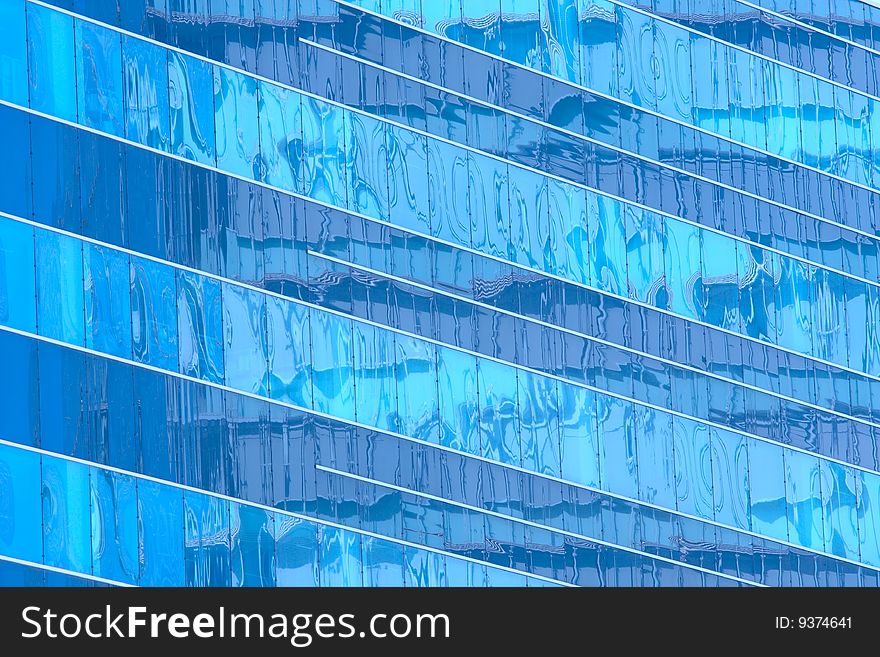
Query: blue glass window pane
x=568, y=249
x=617, y=446
x=693, y=468
x=288, y=348
x=18, y=307
x=528, y=217
x=114, y=526
x=828, y=321
x=21, y=529
x=655, y=452
x=60, y=312
x=281, y=136
x=408, y=179
x=50, y=62
x=332, y=365
x=539, y=423
x=457, y=377
x=375, y=380
x=803, y=498
x=793, y=328
x=840, y=510
x=767, y=489
x=244, y=324
x=498, y=413
x=424, y=568
x=13, y=53
x=161, y=542
x=66, y=515
x=448, y=192
x=145, y=76
x=730, y=478
x=99, y=78
x=683, y=268
x=207, y=548
x=383, y=562
x=608, y=241
x=324, y=152
x=154, y=314
x=190, y=94
x=253, y=545
x=235, y=110
x=108, y=300
x=200, y=326
x=416, y=371
x=296, y=552
x=367, y=166
x=645, y=248
x=579, y=439
x=340, y=557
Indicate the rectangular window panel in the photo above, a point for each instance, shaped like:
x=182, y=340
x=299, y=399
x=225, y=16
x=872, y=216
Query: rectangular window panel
x=683, y=267
x=340, y=557
x=803, y=499
x=367, y=166
x=868, y=492
x=655, y=453
x=407, y=155
x=107, y=300
x=114, y=525
x=424, y=568
x=645, y=261
x=375, y=385
x=579, y=440
x=296, y=552
x=290, y=373
x=693, y=468
x=840, y=510
x=13, y=53
x=281, y=136
x=18, y=307
x=245, y=340
x=200, y=326
x=60, y=287
x=66, y=515
x=617, y=447
x=730, y=477
x=154, y=314
x=416, y=372
x=332, y=365
x=52, y=79
x=99, y=77
x=191, y=96
x=498, y=413
x=767, y=490
x=20, y=504
x=206, y=546
x=383, y=562
x=146, y=101
x=252, y=533
x=457, y=377
x=161, y=537
x=237, y=125
x=324, y=152
x=607, y=232
x=539, y=422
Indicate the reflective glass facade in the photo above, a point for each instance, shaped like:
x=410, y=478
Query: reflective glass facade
x=440, y=293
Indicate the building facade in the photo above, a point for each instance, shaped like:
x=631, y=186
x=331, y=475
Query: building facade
x=440, y=293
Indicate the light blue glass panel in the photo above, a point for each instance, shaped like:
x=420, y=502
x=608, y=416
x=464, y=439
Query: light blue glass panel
x=424, y=568
x=608, y=244
x=579, y=440
x=296, y=552
x=367, y=165
x=200, y=326
x=560, y=22
x=858, y=318
x=868, y=490
x=438, y=13
x=568, y=247
x=645, y=259
x=107, y=299
x=730, y=478
x=340, y=557
x=840, y=509
x=191, y=96
x=869, y=361
x=324, y=152
x=161, y=526
x=154, y=314
x=655, y=451
x=244, y=341
x=375, y=385
x=719, y=302
x=598, y=45
x=145, y=79
x=21, y=530
x=793, y=328
x=464, y=573
x=13, y=53
x=488, y=193
x=828, y=320
x=496, y=577
x=693, y=467
x=673, y=71
x=803, y=499
x=114, y=525
x=758, y=270
x=416, y=371
x=50, y=62
x=206, y=546
x=528, y=217
x=289, y=352
x=235, y=119
x=99, y=77
x=408, y=179
x=457, y=377
x=539, y=423
x=18, y=303
x=767, y=489
x=383, y=562
x=497, y=393
x=635, y=46
x=448, y=192
x=60, y=313
x=782, y=110
x=332, y=365
x=252, y=533
x=617, y=446
x=281, y=136
x=520, y=30
x=684, y=267
x=66, y=515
